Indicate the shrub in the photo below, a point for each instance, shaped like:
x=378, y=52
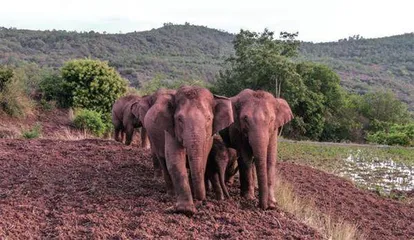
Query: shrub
x=91, y=121
x=13, y=98
x=52, y=89
x=35, y=132
x=92, y=84
x=396, y=135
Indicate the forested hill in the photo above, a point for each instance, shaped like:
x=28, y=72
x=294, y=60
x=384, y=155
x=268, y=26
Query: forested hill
x=188, y=51
x=365, y=63
x=177, y=51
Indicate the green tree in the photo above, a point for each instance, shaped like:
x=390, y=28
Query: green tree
x=92, y=84
x=265, y=63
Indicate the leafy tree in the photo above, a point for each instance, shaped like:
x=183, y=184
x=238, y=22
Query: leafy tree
x=263, y=62
x=92, y=84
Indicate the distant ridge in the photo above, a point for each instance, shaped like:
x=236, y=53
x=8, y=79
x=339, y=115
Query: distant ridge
x=189, y=51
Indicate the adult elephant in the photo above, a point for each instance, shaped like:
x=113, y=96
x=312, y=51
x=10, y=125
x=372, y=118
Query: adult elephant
x=125, y=120
x=156, y=113
x=186, y=121
x=257, y=117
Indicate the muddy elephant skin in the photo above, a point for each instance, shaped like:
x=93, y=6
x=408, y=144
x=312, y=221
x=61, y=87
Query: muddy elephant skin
x=257, y=117
x=221, y=167
x=125, y=121
x=189, y=118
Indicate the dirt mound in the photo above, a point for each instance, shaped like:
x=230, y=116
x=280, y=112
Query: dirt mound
x=105, y=190
x=377, y=217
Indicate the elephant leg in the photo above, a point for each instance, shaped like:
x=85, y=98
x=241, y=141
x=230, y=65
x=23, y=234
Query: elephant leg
x=176, y=165
x=207, y=183
x=215, y=181
x=221, y=174
x=156, y=163
x=167, y=176
x=246, y=177
x=122, y=135
x=145, y=143
x=116, y=134
x=129, y=134
x=271, y=170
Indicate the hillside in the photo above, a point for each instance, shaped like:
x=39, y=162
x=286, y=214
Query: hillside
x=370, y=63
x=188, y=51
x=177, y=51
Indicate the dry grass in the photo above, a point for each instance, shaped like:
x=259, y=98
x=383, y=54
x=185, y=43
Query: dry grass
x=306, y=212
x=71, y=135
x=10, y=132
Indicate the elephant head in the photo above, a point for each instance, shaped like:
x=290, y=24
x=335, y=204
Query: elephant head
x=258, y=115
x=198, y=115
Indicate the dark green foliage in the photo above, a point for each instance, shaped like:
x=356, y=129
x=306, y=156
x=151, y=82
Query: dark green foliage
x=90, y=121
x=52, y=88
x=396, y=135
x=92, y=84
x=6, y=74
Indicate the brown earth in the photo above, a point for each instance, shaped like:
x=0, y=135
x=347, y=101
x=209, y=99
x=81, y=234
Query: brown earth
x=376, y=217
x=100, y=189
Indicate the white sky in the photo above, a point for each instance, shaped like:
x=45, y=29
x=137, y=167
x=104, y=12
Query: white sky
x=316, y=20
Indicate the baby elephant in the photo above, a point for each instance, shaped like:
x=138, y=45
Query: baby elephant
x=221, y=167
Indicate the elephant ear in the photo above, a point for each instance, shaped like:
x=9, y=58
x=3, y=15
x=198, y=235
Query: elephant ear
x=139, y=109
x=223, y=113
x=283, y=112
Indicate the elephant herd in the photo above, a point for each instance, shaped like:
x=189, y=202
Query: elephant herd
x=212, y=136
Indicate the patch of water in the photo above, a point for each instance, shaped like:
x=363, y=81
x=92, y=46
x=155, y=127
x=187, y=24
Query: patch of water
x=374, y=173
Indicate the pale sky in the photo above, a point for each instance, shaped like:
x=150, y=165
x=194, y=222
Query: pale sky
x=316, y=20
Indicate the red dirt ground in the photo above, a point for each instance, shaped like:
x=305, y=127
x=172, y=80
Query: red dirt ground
x=377, y=217
x=100, y=189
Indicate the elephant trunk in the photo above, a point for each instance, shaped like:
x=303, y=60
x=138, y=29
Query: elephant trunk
x=197, y=157
x=259, y=142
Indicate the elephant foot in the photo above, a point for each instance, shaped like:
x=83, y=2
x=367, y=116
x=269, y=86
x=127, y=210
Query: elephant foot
x=219, y=197
x=186, y=209
x=248, y=195
x=272, y=205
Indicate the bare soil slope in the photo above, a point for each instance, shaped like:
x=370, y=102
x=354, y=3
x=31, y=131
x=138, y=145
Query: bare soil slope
x=98, y=189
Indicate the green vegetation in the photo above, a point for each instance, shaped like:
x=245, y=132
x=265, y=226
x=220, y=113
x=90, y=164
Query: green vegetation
x=34, y=132
x=396, y=135
x=90, y=121
x=196, y=52
x=92, y=84
x=14, y=99
x=329, y=156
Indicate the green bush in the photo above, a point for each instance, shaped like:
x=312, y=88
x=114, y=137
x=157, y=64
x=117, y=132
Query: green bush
x=91, y=121
x=396, y=135
x=52, y=88
x=35, y=132
x=13, y=97
x=92, y=84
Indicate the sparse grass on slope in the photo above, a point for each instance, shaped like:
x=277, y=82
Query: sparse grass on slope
x=305, y=211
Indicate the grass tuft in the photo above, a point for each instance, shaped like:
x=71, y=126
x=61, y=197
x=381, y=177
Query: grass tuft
x=306, y=212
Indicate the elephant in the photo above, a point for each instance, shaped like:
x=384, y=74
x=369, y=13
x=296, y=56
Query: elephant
x=221, y=167
x=156, y=114
x=257, y=118
x=182, y=128
x=125, y=121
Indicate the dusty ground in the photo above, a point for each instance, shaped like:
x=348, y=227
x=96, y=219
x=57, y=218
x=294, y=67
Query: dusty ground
x=377, y=217
x=103, y=190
